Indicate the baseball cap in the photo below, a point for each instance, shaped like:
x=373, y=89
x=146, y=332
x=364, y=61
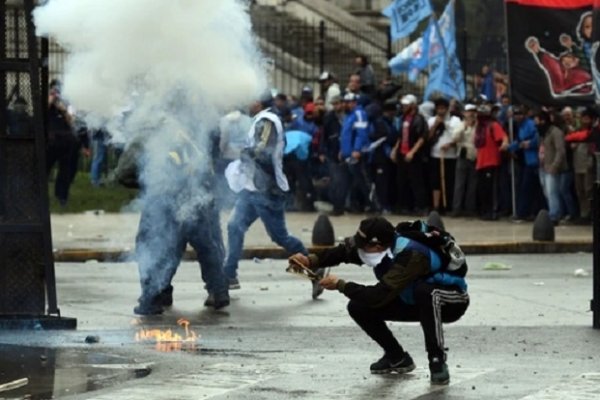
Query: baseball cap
x=350, y=96
x=374, y=230
x=470, y=107
x=325, y=76
x=408, y=99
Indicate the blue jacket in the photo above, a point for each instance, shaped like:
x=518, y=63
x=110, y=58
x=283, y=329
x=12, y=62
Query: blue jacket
x=355, y=132
x=527, y=131
x=436, y=269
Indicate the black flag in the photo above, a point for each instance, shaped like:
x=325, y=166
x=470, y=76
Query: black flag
x=550, y=48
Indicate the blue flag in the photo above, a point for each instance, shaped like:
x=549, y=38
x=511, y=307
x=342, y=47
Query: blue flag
x=405, y=15
x=415, y=57
x=445, y=73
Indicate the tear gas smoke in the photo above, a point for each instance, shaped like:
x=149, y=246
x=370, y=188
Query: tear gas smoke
x=163, y=71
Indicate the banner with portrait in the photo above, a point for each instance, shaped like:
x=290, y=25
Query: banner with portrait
x=552, y=52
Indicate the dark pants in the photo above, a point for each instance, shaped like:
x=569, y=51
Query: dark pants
x=300, y=180
x=436, y=181
x=434, y=304
x=60, y=150
x=381, y=177
x=411, y=180
x=161, y=242
x=338, y=186
x=465, y=186
x=529, y=195
x=360, y=186
x=487, y=189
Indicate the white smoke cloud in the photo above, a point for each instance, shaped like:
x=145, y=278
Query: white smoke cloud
x=153, y=47
x=176, y=67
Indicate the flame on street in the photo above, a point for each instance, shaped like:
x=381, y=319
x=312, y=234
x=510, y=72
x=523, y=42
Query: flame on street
x=168, y=340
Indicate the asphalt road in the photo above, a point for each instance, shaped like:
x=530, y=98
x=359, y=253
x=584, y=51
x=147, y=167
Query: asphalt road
x=527, y=335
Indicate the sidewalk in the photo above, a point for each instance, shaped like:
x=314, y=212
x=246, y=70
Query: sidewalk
x=100, y=236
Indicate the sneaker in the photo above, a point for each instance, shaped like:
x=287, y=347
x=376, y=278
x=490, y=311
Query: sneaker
x=234, y=284
x=439, y=372
x=166, y=296
x=386, y=365
x=148, y=308
x=217, y=302
x=317, y=289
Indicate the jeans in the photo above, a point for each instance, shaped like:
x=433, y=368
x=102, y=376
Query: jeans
x=435, y=305
x=161, y=242
x=566, y=193
x=248, y=208
x=99, y=149
x=551, y=185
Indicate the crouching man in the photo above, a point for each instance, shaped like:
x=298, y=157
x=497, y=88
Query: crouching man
x=416, y=282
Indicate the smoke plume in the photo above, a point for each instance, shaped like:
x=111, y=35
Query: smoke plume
x=163, y=71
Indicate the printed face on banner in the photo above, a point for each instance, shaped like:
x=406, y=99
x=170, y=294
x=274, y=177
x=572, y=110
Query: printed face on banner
x=569, y=73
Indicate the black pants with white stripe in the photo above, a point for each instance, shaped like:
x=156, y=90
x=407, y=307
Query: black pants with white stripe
x=435, y=304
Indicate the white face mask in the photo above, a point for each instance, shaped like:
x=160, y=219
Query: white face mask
x=373, y=259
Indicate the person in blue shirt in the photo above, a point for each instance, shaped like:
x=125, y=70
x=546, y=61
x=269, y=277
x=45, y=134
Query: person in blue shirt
x=527, y=145
x=354, y=141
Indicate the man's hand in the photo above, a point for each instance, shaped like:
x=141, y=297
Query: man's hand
x=329, y=282
x=299, y=259
x=356, y=155
x=409, y=156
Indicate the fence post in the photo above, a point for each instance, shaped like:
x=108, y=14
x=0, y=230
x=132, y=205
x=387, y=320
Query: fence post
x=321, y=46
x=388, y=49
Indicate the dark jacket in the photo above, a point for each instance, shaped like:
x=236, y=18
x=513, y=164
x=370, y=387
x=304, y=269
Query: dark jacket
x=396, y=276
x=332, y=129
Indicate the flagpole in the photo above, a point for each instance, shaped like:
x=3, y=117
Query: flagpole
x=436, y=26
x=509, y=113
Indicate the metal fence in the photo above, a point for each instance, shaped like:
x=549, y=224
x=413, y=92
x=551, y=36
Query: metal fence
x=298, y=51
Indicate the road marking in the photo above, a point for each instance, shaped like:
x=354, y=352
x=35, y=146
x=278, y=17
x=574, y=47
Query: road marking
x=584, y=387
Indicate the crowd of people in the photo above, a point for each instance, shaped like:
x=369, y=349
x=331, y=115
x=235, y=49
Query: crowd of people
x=374, y=148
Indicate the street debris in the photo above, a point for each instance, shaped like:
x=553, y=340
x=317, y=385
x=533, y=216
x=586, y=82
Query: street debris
x=496, y=266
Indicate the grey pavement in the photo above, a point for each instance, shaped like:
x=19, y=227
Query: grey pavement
x=83, y=234
x=527, y=335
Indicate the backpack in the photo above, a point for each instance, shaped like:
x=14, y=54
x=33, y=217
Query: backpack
x=438, y=240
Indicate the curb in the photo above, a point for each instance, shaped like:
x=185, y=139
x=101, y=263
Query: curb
x=531, y=247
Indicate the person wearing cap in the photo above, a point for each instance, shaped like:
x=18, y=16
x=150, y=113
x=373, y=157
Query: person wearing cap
x=490, y=141
x=529, y=194
x=408, y=153
x=382, y=135
x=464, y=200
x=354, y=141
x=330, y=87
x=306, y=96
x=442, y=154
x=258, y=179
x=412, y=286
x=329, y=154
